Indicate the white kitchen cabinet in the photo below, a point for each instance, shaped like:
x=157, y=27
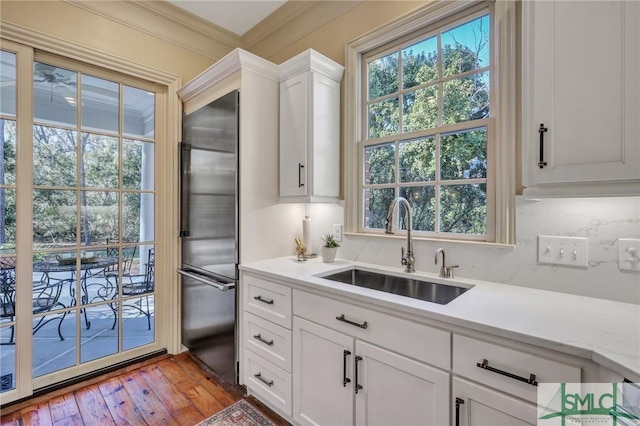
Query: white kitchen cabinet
x=581, y=97
x=476, y=405
x=310, y=128
x=506, y=382
x=335, y=372
x=265, y=341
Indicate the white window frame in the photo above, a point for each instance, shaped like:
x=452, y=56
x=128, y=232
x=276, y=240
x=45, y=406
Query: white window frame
x=501, y=176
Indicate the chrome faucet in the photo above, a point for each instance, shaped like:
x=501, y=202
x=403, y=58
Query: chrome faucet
x=407, y=258
x=445, y=271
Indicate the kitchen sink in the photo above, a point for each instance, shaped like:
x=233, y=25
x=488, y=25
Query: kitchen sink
x=408, y=287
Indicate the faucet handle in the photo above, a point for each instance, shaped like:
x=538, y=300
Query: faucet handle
x=450, y=270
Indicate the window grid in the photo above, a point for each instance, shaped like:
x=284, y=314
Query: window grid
x=436, y=132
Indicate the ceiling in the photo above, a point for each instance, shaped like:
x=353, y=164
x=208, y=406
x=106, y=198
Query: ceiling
x=237, y=16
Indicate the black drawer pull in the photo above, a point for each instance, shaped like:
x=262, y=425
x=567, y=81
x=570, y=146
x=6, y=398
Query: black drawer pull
x=358, y=386
x=343, y=319
x=263, y=380
x=266, y=342
x=300, y=167
x=531, y=380
x=260, y=299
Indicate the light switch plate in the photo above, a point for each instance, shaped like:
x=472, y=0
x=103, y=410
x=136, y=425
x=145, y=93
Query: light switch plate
x=565, y=251
x=629, y=254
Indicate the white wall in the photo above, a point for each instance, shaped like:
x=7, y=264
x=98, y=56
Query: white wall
x=601, y=220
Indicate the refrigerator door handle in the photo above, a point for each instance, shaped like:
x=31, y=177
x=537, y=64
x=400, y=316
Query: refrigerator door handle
x=185, y=162
x=208, y=281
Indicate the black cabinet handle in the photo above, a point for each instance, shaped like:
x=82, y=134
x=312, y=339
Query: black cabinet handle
x=345, y=379
x=485, y=366
x=357, y=387
x=343, y=319
x=459, y=401
x=260, y=299
x=300, y=167
x=542, y=131
x=266, y=342
x=263, y=380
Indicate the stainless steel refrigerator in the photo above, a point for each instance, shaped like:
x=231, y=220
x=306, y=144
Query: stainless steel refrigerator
x=209, y=233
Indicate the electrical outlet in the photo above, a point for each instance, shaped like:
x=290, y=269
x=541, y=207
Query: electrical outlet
x=629, y=254
x=337, y=231
x=565, y=251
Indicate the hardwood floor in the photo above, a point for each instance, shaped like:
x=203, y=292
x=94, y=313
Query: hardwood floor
x=166, y=390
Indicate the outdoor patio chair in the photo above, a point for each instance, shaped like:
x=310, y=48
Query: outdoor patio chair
x=141, y=285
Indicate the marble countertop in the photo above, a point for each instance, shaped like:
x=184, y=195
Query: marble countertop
x=604, y=331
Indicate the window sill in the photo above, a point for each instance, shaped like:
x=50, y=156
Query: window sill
x=414, y=238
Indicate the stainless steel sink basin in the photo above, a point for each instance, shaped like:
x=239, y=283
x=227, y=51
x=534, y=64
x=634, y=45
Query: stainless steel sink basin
x=417, y=289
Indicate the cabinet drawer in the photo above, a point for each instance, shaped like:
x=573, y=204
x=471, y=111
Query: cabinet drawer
x=269, y=383
x=270, y=341
x=469, y=354
x=267, y=300
x=419, y=341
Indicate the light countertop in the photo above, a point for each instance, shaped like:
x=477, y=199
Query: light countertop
x=604, y=331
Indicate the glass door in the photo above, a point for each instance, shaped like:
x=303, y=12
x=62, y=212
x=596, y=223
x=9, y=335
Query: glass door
x=80, y=294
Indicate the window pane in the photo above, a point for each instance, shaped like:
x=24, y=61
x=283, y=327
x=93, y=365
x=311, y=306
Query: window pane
x=7, y=358
x=464, y=155
x=376, y=206
x=466, y=47
x=420, y=63
x=138, y=321
x=7, y=83
x=8, y=231
x=423, y=207
x=99, y=161
x=420, y=109
x=99, y=217
x=383, y=76
x=101, y=339
x=137, y=165
x=417, y=160
x=463, y=209
x=379, y=164
x=8, y=135
x=466, y=98
x=49, y=352
x=138, y=216
x=383, y=118
x=139, y=112
x=54, y=94
x=54, y=218
x=54, y=156
x=100, y=101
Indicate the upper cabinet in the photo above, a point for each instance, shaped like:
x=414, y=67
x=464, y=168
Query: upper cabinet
x=310, y=128
x=581, y=98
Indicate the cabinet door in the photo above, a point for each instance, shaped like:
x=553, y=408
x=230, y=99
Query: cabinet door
x=580, y=80
x=293, y=136
x=482, y=406
x=399, y=391
x=320, y=365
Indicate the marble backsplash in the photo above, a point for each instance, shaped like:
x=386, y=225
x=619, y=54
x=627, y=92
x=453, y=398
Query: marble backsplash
x=601, y=220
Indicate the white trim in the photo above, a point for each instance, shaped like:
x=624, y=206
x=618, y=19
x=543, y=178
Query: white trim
x=504, y=175
x=169, y=127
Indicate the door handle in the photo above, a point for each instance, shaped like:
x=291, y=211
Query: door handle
x=206, y=280
x=357, y=386
x=459, y=401
x=542, y=130
x=345, y=379
x=185, y=183
x=300, y=167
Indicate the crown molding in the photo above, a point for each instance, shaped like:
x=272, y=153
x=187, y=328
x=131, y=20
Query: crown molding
x=298, y=19
x=310, y=60
x=167, y=22
x=236, y=60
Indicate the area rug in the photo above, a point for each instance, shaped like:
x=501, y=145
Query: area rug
x=242, y=413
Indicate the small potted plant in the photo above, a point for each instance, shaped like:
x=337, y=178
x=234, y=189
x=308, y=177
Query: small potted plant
x=329, y=248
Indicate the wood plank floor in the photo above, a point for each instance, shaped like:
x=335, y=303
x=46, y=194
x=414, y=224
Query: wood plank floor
x=166, y=390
